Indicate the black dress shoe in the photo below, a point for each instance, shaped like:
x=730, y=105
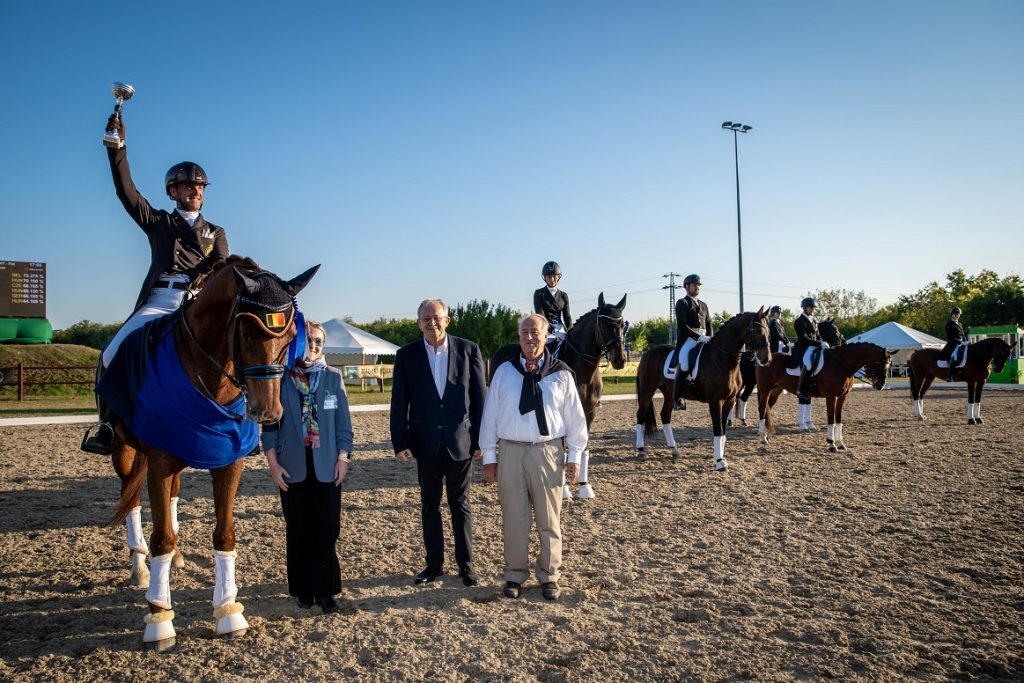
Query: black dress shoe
x=427, y=575
x=512, y=589
x=468, y=576
x=305, y=601
x=328, y=603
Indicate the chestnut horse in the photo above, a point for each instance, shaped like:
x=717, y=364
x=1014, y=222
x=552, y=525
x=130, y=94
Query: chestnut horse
x=982, y=358
x=829, y=332
x=718, y=381
x=229, y=344
x=600, y=333
x=832, y=383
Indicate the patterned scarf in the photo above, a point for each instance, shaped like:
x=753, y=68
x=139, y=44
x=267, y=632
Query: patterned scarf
x=306, y=381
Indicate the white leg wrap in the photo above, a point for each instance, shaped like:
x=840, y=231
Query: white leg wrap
x=639, y=436
x=136, y=541
x=762, y=426
x=581, y=477
x=670, y=437
x=976, y=410
x=159, y=592
x=174, y=514
x=839, y=432
x=732, y=411
x=741, y=412
x=224, y=591
x=719, y=447
x=801, y=418
x=159, y=626
x=809, y=421
x=917, y=408
x=970, y=411
x=830, y=432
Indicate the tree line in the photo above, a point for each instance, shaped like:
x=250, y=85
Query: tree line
x=986, y=299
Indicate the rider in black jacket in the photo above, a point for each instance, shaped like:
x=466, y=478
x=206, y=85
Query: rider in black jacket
x=693, y=324
x=807, y=336
x=777, y=339
x=955, y=336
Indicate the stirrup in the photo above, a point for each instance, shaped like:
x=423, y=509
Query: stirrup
x=96, y=443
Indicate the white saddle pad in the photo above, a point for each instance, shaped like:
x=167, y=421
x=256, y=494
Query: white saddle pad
x=670, y=370
x=795, y=372
x=963, y=358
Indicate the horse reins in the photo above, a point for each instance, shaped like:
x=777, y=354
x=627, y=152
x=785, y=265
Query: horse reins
x=605, y=346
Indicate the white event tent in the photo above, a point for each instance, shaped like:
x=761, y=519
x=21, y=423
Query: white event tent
x=900, y=338
x=348, y=345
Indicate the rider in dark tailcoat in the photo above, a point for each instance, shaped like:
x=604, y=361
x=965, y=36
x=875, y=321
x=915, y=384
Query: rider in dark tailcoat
x=955, y=336
x=807, y=335
x=777, y=339
x=693, y=326
x=551, y=302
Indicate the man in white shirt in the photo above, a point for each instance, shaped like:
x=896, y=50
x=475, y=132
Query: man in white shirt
x=531, y=406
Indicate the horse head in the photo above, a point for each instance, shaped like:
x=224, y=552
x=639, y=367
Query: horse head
x=878, y=368
x=611, y=331
x=1000, y=354
x=264, y=326
x=830, y=332
x=757, y=335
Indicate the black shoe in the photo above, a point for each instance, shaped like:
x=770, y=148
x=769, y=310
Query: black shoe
x=680, y=404
x=512, y=589
x=100, y=443
x=328, y=604
x=468, y=576
x=550, y=590
x=427, y=575
x=305, y=601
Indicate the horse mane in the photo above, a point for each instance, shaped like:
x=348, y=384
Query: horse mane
x=733, y=319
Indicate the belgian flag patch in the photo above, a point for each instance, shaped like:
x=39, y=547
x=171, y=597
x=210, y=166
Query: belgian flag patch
x=275, y=321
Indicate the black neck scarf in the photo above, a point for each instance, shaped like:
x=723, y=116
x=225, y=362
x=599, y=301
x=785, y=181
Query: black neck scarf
x=532, y=397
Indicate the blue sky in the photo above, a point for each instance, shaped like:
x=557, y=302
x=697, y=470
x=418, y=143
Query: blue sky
x=428, y=149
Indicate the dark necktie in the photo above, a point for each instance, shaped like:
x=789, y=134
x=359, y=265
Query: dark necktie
x=532, y=397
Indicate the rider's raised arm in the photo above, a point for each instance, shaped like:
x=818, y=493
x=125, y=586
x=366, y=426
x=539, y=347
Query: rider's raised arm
x=133, y=202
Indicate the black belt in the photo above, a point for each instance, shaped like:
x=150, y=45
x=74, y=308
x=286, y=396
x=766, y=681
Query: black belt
x=163, y=284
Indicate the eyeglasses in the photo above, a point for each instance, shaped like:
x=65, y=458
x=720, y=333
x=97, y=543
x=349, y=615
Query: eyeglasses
x=437, y=319
x=316, y=341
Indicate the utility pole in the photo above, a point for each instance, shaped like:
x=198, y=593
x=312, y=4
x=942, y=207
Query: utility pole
x=671, y=287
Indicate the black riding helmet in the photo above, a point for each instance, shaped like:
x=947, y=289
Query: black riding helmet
x=185, y=172
x=955, y=310
x=775, y=309
x=808, y=301
x=692, y=279
x=551, y=268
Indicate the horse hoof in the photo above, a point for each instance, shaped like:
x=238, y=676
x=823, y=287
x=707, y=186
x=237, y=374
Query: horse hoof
x=971, y=421
x=728, y=423
x=641, y=454
x=234, y=634
x=162, y=646
x=721, y=466
x=179, y=559
x=977, y=420
x=566, y=492
x=743, y=421
x=676, y=454
x=832, y=448
x=764, y=438
x=842, y=446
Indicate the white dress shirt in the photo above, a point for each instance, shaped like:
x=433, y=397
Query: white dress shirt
x=563, y=411
x=438, y=359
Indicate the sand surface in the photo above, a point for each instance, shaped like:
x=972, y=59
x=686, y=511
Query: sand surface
x=900, y=559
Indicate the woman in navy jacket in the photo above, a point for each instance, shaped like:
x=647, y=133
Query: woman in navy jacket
x=307, y=454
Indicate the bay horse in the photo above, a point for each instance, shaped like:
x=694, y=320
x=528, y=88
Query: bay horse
x=983, y=357
x=717, y=384
x=226, y=348
x=832, y=383
x=597, y=334
x=829, y=332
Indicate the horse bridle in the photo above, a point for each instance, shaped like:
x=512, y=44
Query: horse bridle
x=605, y=346
x=248, y=372
x=749, y=333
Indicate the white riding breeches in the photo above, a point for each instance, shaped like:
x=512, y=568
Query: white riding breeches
x=161, y=301
x=684, y=353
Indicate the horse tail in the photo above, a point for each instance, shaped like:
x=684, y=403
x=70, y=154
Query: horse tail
x=650, y=423
x=131, y=489
x=913, y=381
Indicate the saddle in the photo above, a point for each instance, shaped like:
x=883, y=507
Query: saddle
x=958, y=358
x=672, y=363
x=817, y=361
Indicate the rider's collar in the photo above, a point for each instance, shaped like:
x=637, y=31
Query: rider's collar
x=189, y=216
x=552, y=290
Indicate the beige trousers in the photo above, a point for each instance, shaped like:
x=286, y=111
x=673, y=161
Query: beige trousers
x=530, y=476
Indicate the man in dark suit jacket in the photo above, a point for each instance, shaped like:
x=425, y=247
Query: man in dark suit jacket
x=437, y=400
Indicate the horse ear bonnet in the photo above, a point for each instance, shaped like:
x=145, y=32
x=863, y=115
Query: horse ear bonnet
x=265, y=299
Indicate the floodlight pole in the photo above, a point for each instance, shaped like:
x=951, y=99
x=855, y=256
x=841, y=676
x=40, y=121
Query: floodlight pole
x=738, y=128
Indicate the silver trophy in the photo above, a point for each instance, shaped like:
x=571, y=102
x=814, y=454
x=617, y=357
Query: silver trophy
x=122, y=92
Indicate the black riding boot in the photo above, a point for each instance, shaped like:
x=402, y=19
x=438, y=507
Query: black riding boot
x=801, y=384
x=102, y=442
x=681, y=387
x=952, y=370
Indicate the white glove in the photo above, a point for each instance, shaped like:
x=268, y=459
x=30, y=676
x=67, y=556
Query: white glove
x=824, y=345
x=703, y=339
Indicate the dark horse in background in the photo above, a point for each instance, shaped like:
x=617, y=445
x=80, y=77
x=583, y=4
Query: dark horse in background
x=748, y=373
x=600, y=333
x=982, y=358
x=230, y=341
x=832, y=383
x=717, y=384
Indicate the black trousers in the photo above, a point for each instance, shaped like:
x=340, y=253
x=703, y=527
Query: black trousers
x=435, y=476
x=312, y=515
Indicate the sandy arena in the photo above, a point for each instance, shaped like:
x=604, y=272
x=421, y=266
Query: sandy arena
x=900, y=559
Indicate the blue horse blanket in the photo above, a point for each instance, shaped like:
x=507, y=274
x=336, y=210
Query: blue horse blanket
x=148, y=389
